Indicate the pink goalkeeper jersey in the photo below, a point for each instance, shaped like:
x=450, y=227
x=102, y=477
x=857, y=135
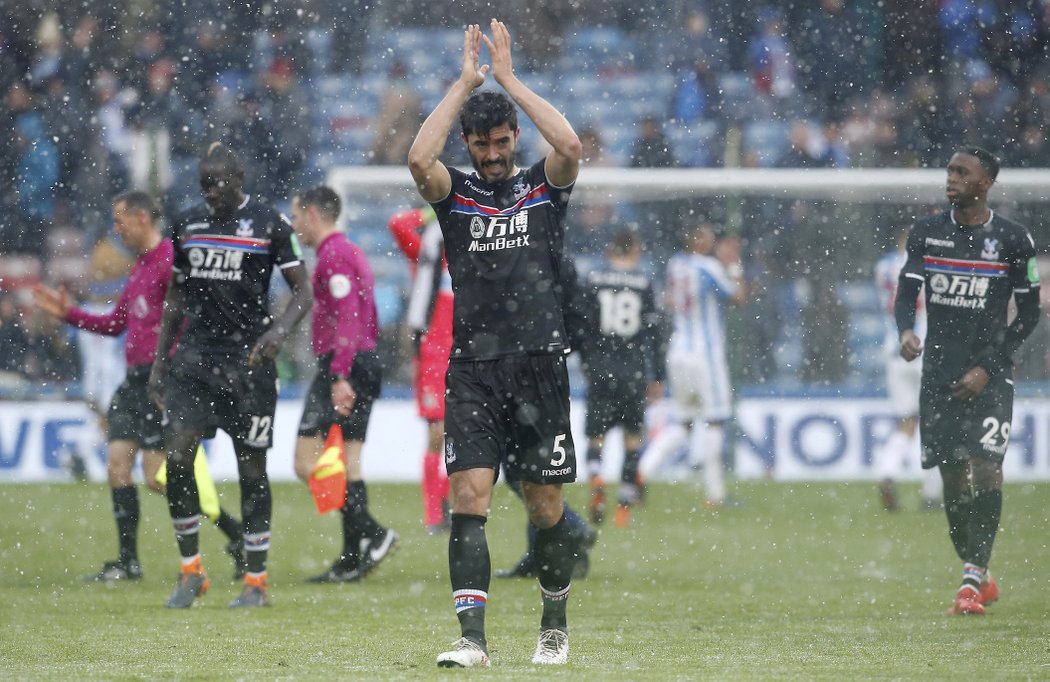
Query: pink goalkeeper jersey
x=139, y=308
x=344, y=313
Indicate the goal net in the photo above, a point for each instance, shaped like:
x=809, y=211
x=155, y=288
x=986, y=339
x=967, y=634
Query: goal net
x=809, y=242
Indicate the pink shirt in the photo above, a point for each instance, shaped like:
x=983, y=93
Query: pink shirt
x=344, y=313
x=139, y=308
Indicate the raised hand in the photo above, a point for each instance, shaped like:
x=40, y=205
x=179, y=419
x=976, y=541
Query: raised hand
x=472, y=74
x=499, y=48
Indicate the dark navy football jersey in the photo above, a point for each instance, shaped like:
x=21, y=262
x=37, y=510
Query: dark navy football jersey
x=622, y=324
x=224, y=265
x=503, y=243
x=969, y=272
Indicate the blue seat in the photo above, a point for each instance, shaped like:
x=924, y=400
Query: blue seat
x=598, y=48
x=737, y=95
x=699, y=145
x=768, y=140
x=427, y=52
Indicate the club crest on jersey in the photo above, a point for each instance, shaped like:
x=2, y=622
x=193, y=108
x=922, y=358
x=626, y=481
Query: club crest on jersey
x=139, y=307
x=477, y=227
x=520, y=189
x=244, y=227
x=991, y=249
x=339, y=285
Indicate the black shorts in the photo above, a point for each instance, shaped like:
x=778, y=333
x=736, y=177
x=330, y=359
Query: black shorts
x=953, y=430
x=613, y=401
x=132, y=416
x=512, y=410
x=366, y=378
x=207, y=391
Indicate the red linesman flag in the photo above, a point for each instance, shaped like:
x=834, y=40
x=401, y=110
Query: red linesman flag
x=327, y=479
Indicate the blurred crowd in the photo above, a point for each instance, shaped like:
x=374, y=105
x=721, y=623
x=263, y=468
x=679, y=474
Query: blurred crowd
x=105, y=96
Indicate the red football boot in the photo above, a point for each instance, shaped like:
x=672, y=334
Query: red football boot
x=989, y=590
x=967, y=603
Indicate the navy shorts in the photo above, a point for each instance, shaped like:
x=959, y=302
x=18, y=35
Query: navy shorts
x=206, y=391
x=613, y=401
x=132, y=416
x=366, y=378
x=512, y=411
x=953, y=430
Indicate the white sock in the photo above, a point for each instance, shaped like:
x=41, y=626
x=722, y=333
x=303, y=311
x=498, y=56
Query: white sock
x=889, y=459
x=711, y=438
x=670, y=439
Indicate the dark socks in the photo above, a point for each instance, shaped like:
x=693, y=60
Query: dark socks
x=126, y=514
x=555, y=557
x=357, y=502
x=256, y=508
x=470, y=571
x=185, y=509
x=958, y=512
x=985, y=513
x=630, y=467
x=349, y=559
x=229, y=526
x=594, y=460
x=578, y=528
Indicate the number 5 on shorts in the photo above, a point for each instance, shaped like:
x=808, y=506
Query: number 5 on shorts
x=559, y=451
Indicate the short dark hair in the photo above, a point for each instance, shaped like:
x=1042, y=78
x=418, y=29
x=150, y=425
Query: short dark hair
x=324, y=199
x=137, y=200
x=624, y=241
x=716, y=230
x=486, y=109
x=988, y=160
x=219, y=160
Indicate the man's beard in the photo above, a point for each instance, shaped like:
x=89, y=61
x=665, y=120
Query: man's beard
x=481, y=168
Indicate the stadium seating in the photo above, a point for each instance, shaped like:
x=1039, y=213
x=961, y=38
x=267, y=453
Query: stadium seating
x=867, y=331
x=766, y=141
x=19, y=271
x=697, y=145
x=598, y=49
x=737, y=96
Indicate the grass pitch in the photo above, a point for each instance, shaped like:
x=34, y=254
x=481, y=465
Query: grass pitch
x=805, y=581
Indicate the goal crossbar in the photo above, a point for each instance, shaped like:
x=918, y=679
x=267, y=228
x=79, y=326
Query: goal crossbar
x=903, y=185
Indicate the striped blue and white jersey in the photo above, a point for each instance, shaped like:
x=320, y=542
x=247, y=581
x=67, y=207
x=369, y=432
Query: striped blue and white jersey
x=698, y=291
